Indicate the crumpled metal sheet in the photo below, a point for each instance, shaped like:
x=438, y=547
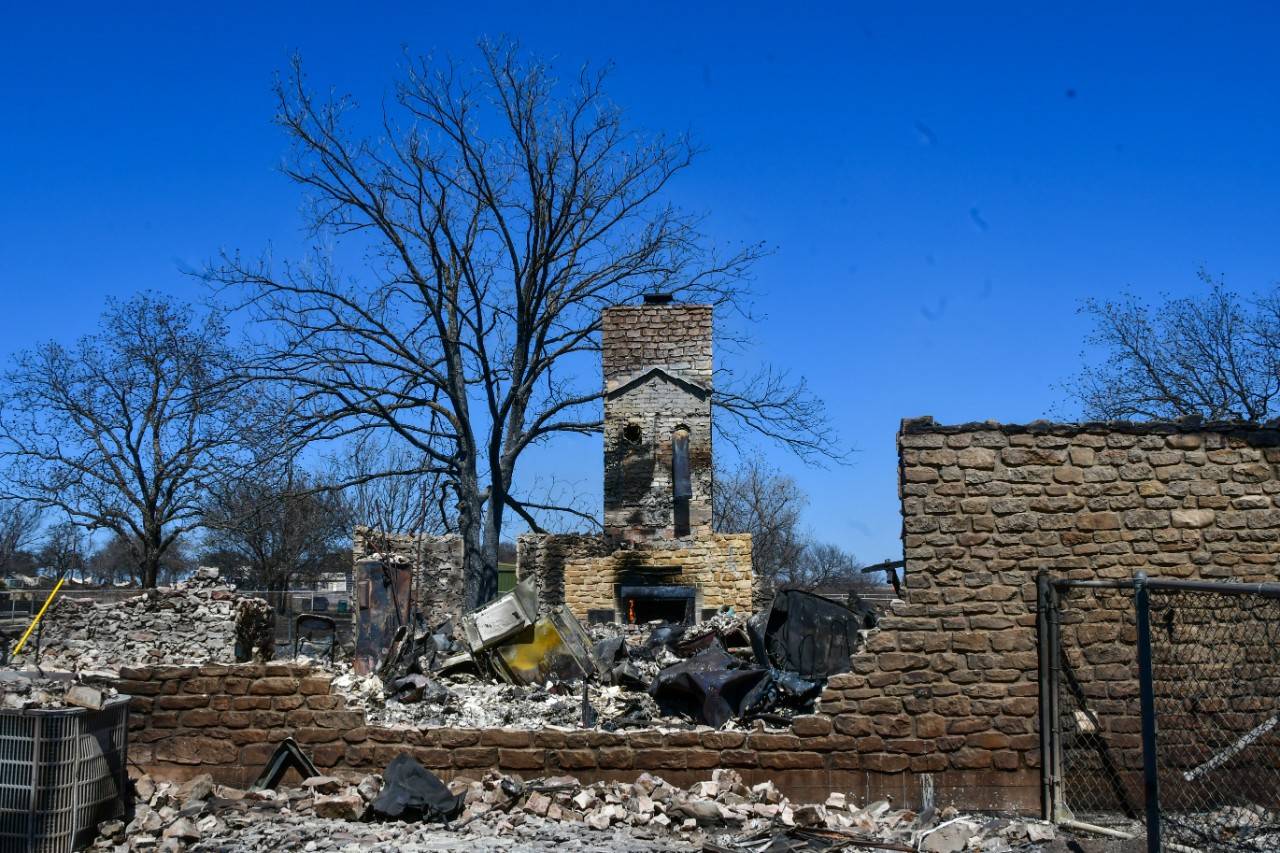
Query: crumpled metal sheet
x=710, y=686
x=806, y=634
x=412, y=792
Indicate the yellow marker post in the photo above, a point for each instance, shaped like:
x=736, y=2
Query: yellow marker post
x=36, y=621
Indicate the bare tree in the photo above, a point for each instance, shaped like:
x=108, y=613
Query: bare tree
x=826, y=566
x=502, y=211
x=769, y=505
x=65, y=550
x=129, y=430
x=387, y=489
x=282, y=524
x=19, y=524
x=1216, y=356
x=179, y=561
x=113, y=561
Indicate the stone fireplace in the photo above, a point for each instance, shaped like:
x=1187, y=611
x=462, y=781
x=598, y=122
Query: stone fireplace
x=658, y=557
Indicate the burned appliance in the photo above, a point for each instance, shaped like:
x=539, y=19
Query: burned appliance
x=383, y=605
x=521, y=648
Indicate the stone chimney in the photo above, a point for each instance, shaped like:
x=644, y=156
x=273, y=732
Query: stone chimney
x=657, y=416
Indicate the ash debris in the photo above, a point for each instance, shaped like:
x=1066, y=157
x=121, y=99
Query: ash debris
x=725, y=672
x=32, y=690
x=497, y=812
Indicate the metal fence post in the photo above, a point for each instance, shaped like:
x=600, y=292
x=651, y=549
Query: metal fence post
x=1146, y=692
x=1047, y=729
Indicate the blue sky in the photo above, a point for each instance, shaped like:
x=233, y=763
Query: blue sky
x=941, y=187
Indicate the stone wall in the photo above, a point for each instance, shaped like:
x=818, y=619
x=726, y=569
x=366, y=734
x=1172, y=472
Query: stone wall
x=718, y=565
x=227, y=720
x=437, y=562
x=675, y=335
x=657, y=373
x=542, y=556
x=950, y=681
x=193, y=621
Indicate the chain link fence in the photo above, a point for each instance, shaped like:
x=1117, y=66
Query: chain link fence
x=1161, y=700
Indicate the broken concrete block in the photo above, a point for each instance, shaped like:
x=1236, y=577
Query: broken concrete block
x=84, y=696
x=323, y=784
x=950, y=837
x=1040, y=833
x=538, y=804
x=184, y=828
x=197, y=788
x=340, y=806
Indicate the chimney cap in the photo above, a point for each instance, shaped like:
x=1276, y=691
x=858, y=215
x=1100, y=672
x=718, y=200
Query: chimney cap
x=659, y=298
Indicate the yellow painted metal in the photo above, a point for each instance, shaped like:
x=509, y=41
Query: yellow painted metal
x=531, y=655
x=36, y=621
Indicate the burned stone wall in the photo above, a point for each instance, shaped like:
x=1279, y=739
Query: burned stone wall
x=950, y=681
x=543, y=557
x=437, y=567
x=718, y=566
x=657, y=372
x=193, y=621
x=227, y=721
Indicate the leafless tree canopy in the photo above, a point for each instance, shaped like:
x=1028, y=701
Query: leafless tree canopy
x=129, y=429
x=65, y=550
x=1216, y=356
x=385, y=487
x=19, y=524
x=500, y=211
x=279, y=523
x=770, y=506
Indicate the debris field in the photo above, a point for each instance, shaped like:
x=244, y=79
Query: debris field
x=720, y=815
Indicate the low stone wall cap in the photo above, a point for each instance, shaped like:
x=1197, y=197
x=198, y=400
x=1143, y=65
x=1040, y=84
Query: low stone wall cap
x=1262, y=433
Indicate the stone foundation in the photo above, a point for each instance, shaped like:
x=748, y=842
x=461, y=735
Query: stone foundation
x=227, y=720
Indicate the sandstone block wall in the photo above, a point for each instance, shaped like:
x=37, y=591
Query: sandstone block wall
x=718, y=565
x=657, y=373
x=951, y=678
x=227, y=721
x=542, y=556
x=675, y=335
x=437, y=567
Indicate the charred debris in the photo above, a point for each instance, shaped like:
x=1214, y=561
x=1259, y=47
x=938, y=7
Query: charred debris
x=725, y=670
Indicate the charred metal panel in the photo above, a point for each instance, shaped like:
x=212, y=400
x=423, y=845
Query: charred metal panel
x=383, y=602
x=811, y=636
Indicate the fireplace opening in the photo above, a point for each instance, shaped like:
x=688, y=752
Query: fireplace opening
x=640, y=604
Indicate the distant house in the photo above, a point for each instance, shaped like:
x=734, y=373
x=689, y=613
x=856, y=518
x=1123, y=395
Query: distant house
x=333, y=582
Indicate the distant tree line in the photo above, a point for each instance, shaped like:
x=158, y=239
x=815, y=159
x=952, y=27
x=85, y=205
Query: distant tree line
x=754, y=498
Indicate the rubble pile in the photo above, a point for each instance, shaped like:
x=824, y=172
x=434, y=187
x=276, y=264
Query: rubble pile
x=191, y=622
x=466, y=701
x=409, y=811
x=504, y=669
x=28, y=690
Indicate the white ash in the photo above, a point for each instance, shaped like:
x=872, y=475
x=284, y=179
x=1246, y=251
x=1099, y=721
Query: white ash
x=29, y=689
x=476, y=704
x=541, y=816
x=191, y=622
